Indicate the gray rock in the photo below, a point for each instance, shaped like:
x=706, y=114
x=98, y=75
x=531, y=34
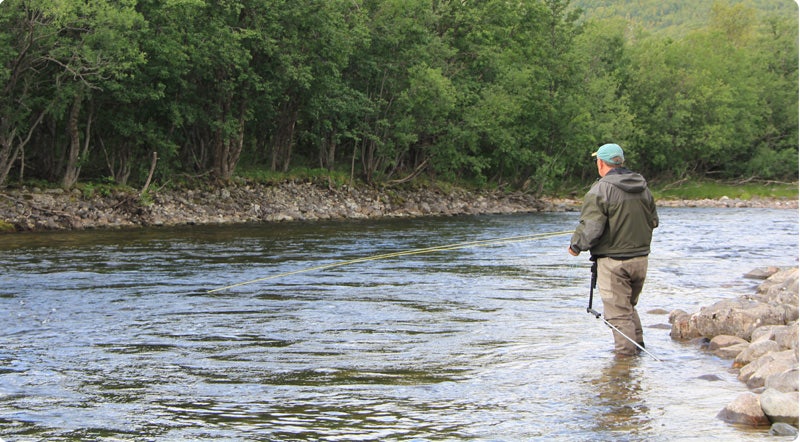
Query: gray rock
x=660, y=326
x=785, y=381
x=783, y=281
x=737, y=317
x=731, y=351
x=722, y=341
x=744, y=410
x=727, y=346
x=710, y=377
x=764, y=333
x=786, y=336
x=779, y=406
x=781, y=429
x=682, y=326
x=762, y=273
x=754, y=351
x=777, y=363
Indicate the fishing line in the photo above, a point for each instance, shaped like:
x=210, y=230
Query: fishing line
x=482, y=243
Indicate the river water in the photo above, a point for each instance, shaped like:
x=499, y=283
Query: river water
x=114, y=335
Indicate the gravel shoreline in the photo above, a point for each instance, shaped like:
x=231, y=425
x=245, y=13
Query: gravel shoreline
x=33, y=209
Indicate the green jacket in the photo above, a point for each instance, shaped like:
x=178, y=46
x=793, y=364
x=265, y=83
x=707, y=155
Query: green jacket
x=617, y=218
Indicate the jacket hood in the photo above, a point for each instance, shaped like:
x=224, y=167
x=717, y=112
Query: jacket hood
x=626, y=180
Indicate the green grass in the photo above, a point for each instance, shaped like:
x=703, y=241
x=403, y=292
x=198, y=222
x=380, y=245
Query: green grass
x=6, y=227
x=704, y=189
x=335, y=178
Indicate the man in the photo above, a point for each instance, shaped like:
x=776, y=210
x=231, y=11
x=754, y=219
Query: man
x=616, y=226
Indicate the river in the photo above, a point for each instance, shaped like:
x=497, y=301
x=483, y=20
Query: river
x=124, y=335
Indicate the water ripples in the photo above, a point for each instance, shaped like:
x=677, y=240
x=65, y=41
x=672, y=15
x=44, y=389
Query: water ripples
x=114, y=335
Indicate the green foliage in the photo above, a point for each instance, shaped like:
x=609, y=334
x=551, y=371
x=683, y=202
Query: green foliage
x=495, y=93
x=6, y=227
x=674, y=18
x=770, y=164
x=105, y=187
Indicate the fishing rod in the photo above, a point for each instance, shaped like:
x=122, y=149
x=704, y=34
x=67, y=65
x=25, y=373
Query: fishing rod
x=598, y=315
x=481, y=243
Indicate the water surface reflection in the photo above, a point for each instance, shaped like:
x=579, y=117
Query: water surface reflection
x=114, y=335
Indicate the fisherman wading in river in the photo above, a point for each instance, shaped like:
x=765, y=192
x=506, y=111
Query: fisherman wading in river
x=616, y=226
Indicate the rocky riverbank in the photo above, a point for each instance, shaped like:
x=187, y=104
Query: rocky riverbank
x=32, y=209
x=55, y=209
x=759, y=333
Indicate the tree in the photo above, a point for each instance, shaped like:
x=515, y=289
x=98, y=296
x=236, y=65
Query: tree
x=93, y=44
x=331, y=109
x=602, y=55
x=402, y=39
x=774, y=152
x=23, y=49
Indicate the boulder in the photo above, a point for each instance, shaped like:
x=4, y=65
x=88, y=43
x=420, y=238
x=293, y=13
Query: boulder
x=731, y=351
x=781, y=429
x=756, y=372
x=754, y=351
x=785, y=381
x=782, y=281
x=781, y=289
x=744, y=410
x=764, y=333
x=779, y=406
x=722, y=341
x=786, y=336
x=762, y=273
x=737, y=317
x=682, y=327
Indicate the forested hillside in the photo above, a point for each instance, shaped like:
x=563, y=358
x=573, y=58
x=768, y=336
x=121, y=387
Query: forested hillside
x=512, y=93
x=677, y=17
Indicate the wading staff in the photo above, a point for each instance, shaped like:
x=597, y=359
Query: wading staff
x=480, y=243
x=599, y=316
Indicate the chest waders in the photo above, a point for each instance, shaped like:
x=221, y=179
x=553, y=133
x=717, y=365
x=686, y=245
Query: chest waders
x=599, y=315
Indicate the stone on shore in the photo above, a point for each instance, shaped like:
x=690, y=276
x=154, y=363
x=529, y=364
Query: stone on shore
x=727, y=346
x=754, y=351
x=682, y=327
x=762, y=273
x=780, y=407
x=756, y=373
x=786, y=381
x=781, y=429
x=744, y=410
x=737, y=317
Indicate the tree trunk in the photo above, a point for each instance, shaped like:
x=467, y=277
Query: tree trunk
x=284, y=138
x=228, y=146
x=72, y=167
x=8, y=152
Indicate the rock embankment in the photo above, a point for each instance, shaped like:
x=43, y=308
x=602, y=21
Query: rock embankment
x=55, y=209
x=759, y=333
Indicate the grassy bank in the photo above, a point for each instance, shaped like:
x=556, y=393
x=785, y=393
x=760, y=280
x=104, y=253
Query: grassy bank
x=707, y=189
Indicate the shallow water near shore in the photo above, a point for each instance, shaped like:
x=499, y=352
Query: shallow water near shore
x=113, y=335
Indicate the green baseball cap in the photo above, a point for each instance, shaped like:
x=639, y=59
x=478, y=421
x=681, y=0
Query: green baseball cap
x=610, y=153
